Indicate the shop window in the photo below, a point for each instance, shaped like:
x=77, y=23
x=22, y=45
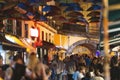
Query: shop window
x=42, y=35
x=26, y=30
x=9, y=26
x=19, y=28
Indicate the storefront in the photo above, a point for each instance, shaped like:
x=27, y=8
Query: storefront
x=43, y=50
x=7, y=45
x=7, y=48
x=20, y=41
x=30, y=48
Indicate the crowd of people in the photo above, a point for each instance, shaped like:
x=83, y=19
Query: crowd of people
x=32, y=69
x=74, y=67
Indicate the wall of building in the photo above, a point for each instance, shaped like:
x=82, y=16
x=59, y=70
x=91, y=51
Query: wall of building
x=47, y=30
x=30, y=24
x=43, y=28
x=66, y=41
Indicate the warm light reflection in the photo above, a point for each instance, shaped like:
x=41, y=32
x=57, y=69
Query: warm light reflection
x=81, y=50
x=17, y=41
x=65, y=41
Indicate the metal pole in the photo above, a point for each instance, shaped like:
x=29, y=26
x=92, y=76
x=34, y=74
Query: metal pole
x=106, y=39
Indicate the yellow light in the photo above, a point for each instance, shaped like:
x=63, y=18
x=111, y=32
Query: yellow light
x=112, y=54
x=16, y=40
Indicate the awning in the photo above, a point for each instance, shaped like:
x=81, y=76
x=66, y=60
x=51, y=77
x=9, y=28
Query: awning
x=18, y=41
x=30, y=48
x=7, y=45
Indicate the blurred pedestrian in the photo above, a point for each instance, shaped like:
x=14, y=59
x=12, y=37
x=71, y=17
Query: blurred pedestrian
x=17, y=70
x=30, y=66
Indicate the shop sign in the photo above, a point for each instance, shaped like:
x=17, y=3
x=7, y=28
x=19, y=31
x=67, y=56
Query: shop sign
x=33, y=32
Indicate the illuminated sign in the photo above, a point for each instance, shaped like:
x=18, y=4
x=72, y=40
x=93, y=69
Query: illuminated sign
x=33, y=32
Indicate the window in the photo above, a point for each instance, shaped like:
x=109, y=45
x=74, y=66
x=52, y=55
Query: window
x=19, y=28
x=46, y=36
x=49, y=37
x=26, y=30
x=42, y=35
x=52, y=37
x=9, y=26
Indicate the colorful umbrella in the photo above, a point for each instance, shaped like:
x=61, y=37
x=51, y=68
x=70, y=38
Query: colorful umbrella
x=94, y=7
x=22, y=5
x=39, y=17
x=43, y=18
x=10, y=11
x=73, y=8
x=30, y=15
x=95, y=1
x=52, y=13
x=94, y=18
x=42, y=0
x=94, y=13
x=51, y=8
x=7, y=6
x=59, y=18
x=74, y=14
x=74, y=20
x=67, y=1
x=80, y=20
x=69, y=4
x=18, y=16
x=37, y=2
x=48, y=0
x=94, y=21
x=21, y=8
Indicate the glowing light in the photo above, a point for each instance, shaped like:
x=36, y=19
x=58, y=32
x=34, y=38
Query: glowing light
x=10, y=39
x=34, y=32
